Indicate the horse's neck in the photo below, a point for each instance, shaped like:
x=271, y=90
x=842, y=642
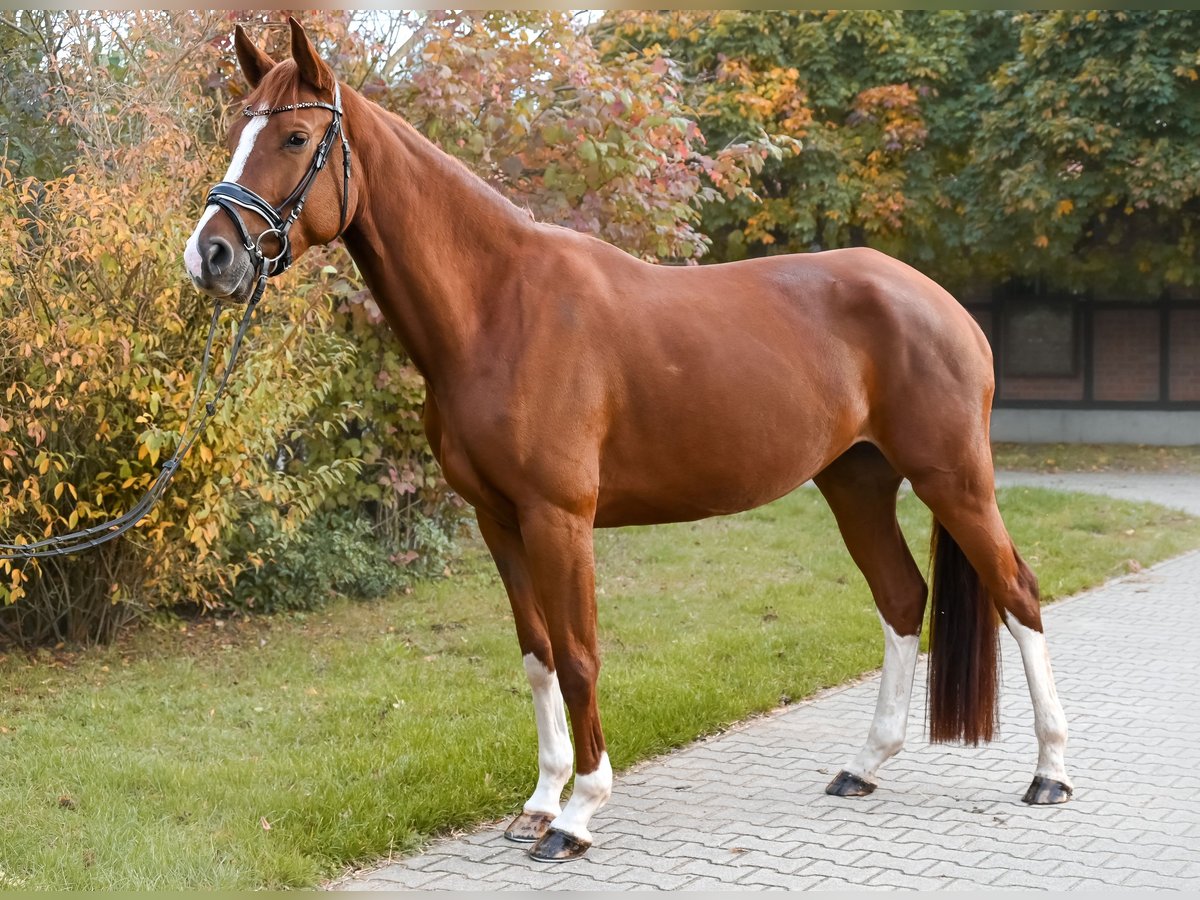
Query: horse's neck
x=432, y=240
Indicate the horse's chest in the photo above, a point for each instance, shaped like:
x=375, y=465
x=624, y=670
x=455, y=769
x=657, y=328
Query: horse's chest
x=463, y=452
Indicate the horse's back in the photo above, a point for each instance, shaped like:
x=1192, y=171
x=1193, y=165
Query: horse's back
x=858, y=296
x=731, y=384
x=704, y=390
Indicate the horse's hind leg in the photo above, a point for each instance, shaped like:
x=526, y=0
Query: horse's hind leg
x=861, y=487
x=977, y=568
x=1050, y=781
x=554, y=741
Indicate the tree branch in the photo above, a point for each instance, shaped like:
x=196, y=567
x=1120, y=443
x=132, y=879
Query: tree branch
x=28, y=35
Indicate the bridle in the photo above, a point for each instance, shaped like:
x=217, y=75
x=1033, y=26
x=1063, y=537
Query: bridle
x=229, y=196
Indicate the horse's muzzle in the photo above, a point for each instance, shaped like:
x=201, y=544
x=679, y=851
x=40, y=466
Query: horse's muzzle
x=225, y=270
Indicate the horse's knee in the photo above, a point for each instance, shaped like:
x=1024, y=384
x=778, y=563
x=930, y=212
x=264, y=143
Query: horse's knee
x=538, y=669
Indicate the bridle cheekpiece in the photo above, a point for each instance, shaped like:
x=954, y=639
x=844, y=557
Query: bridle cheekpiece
x=229, y=195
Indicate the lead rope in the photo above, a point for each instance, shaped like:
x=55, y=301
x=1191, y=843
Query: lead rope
x=228, y=196
x=87, y=538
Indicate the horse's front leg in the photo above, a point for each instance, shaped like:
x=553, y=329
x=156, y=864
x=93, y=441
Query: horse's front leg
x=558, y=544
x=554, y=741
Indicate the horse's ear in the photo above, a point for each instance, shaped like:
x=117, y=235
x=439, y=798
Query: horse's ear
x=310, y=66
x=254, y=62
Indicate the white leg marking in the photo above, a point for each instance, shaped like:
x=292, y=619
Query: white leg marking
x=886, y=736
x=591, y=792
x=191, y=250
x=1049, y=721
x=554, y=741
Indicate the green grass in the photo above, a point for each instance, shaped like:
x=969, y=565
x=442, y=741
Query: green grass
x=1097, y=458
x=363, y=730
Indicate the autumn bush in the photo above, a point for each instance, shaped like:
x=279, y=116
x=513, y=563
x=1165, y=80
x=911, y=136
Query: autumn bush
x=101, y=338
x=601, y=144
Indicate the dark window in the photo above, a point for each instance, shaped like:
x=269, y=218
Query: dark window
x=1040, y=338
x=1185, y=354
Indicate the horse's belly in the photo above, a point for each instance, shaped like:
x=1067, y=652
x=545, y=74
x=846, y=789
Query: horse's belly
x=717, y=467
x=618, y=508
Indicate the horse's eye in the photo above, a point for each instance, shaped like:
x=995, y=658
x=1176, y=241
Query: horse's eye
x=297, y=140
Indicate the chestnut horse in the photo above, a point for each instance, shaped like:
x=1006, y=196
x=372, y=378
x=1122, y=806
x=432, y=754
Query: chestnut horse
x=571, y=386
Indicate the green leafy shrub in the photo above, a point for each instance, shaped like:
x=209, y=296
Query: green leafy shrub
x=333, y=552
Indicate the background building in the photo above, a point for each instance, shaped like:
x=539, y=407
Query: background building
x=1093, y=369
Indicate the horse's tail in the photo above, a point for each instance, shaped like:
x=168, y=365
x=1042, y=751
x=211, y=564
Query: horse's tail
x=963, y=637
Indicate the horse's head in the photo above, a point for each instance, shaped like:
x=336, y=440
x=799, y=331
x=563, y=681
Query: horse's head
x=288, y=185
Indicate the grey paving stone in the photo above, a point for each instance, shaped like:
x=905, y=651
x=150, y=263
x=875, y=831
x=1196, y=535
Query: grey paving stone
x=700, y=868
x=394, y=877
x=369, y=884
x=651, y=877
x=943, y=817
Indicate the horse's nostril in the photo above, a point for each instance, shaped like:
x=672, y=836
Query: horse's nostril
x=219, y=256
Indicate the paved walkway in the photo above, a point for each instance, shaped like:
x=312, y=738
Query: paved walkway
x=1177, y=491
x=747, y=809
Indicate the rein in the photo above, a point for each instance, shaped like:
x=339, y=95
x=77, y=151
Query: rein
x=229, y=196
x=87, y=538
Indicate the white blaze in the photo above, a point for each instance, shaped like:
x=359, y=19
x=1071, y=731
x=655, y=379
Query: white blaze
x=886, y=736
x=191, y=251
x=1049, y=721
x=554, y=741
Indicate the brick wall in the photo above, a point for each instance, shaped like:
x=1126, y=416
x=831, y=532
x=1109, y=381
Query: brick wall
x=1126, y=354
x=1185, y=354
x=1040, y=388
x=1125, y=358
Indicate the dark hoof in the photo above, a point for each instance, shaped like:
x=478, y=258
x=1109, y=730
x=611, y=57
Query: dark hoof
x=847, y=785
x=528, y=827
x=1046, y=791
x=558, y=846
